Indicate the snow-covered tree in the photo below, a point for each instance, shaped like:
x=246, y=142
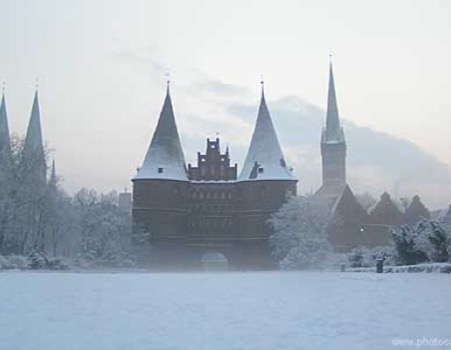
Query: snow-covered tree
x=299, y=239
x=434, y=239
x=407, y=246
x=104, y=229
x=440, y=241
x=23, y=199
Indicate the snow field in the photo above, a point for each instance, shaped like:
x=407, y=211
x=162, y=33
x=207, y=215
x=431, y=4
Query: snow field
x=268, y=310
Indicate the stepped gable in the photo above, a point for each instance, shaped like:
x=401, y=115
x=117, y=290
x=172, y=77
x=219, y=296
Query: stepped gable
x=213, y=165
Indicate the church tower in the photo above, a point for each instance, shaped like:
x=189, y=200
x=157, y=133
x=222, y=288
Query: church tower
x=160, y=193
x=348, y=216
x=262, y=187
x=333, y=147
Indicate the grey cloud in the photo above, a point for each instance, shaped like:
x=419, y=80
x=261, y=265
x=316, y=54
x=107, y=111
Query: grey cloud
x=144, y=56
x=375, y=159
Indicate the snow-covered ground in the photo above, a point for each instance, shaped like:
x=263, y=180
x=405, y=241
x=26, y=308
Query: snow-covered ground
x=275, y=310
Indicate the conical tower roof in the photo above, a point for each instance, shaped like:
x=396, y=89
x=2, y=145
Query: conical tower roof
x=5, y=144
x=333, y=133
x=164, y=158
x=265, y=160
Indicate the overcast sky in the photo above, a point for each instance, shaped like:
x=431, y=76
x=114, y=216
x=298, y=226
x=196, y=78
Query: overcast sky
x=101, y=67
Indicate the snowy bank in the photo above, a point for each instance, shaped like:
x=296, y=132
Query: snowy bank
x=433, y=267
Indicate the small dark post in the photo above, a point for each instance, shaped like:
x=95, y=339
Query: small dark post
x=379, y=265
x=342, y=267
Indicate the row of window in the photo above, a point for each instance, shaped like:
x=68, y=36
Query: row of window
x=210, y=224
x=211, y=194
x=203, y=208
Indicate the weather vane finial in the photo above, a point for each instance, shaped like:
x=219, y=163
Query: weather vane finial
x=168, y=78
x=262, y=83
x=4, y=87
x=36, y=83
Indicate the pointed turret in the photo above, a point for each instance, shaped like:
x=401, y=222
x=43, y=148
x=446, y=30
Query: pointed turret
x=265, y=160
x=5, y=144
x=333, y=133
x=164, y=158
x=34, y=153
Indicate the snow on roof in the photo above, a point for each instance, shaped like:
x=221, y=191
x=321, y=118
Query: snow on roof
x=265, y=160
x=212, y=181
x=164, y=158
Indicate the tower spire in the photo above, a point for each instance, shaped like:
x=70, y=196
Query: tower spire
x=164, y=158
x=5, y=142
x=33, y=147
x=52, y=180
x=333, y=145
x=333, y=132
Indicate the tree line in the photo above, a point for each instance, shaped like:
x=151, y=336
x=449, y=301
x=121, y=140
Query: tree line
x=38, y=217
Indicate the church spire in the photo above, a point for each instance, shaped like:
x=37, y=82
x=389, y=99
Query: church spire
x=5, y=144
x=53, y=180
x=33, y=147
x=264, y=160
x=333, y=131
x=164, y=158
x=33, y=139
